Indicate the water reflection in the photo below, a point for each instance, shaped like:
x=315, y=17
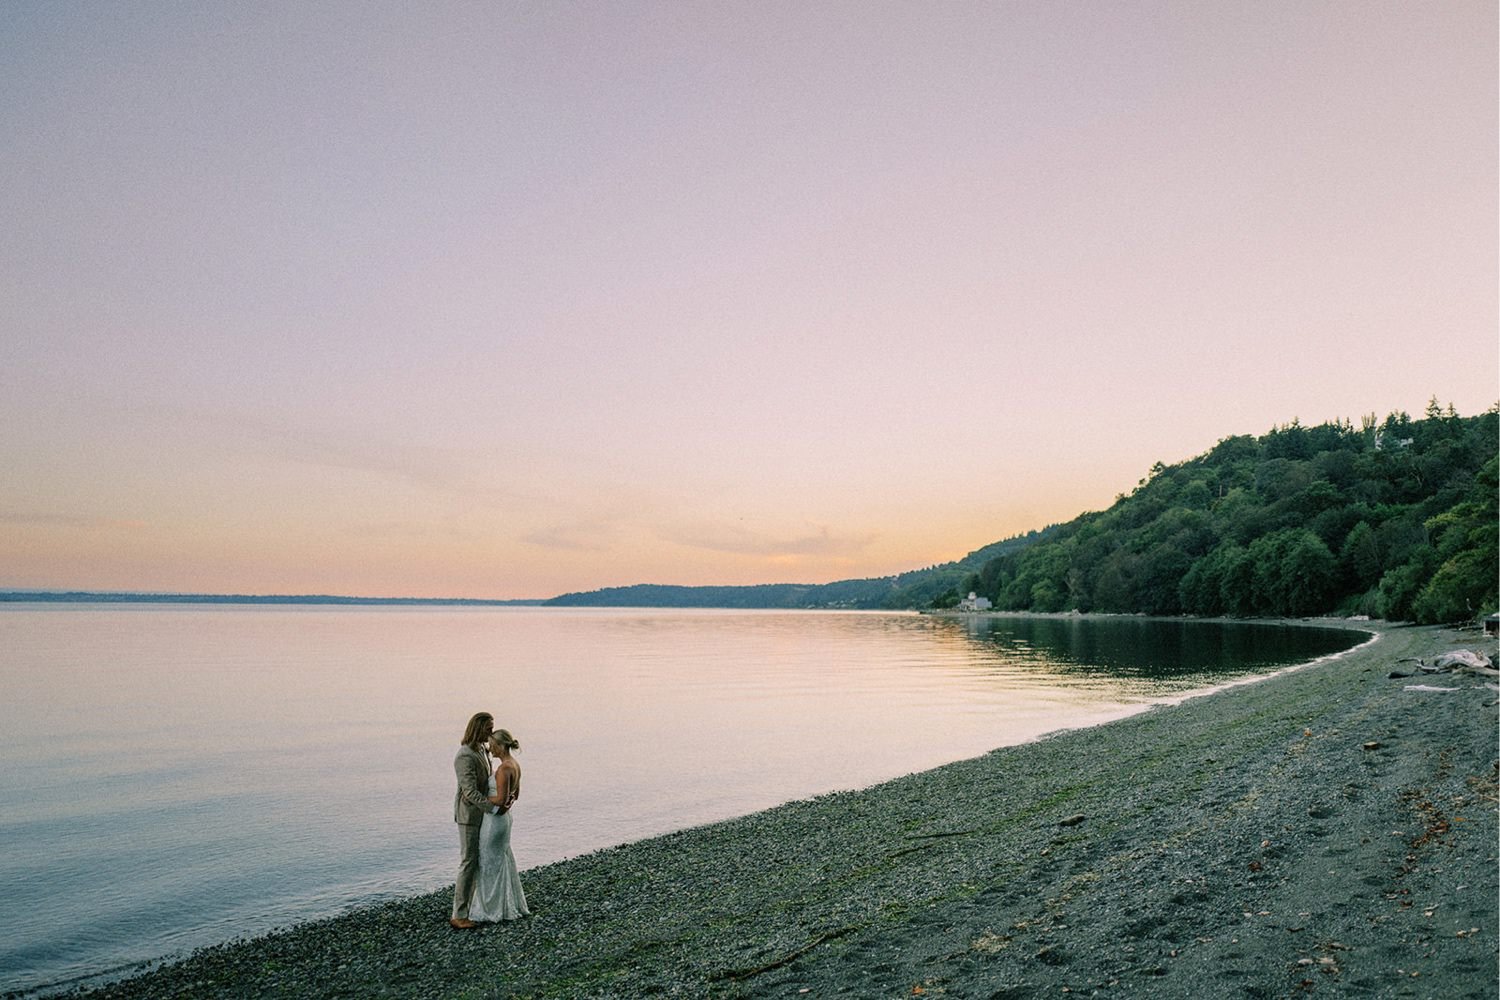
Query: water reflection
x=1154, y=649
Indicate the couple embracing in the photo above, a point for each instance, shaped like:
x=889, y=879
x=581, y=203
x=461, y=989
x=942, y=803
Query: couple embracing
x=489, y=782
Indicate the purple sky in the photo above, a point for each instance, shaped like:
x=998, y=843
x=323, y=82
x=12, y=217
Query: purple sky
x=509, y=299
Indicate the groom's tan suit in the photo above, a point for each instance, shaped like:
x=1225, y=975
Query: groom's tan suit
x=472, y=768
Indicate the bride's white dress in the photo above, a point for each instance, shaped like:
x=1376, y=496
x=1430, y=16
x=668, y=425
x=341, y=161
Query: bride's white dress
x=499, y=895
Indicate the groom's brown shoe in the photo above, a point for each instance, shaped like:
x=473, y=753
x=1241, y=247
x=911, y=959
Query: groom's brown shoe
x=461, y=924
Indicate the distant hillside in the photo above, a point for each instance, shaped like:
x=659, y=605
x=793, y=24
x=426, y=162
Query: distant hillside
x=1395, y=519
x=917, y=589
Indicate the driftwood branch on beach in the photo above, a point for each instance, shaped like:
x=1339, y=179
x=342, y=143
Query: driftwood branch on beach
x=791, y=956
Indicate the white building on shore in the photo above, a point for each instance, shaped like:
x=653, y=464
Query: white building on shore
x=974, y=603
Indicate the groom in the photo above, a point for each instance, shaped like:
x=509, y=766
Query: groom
x=472, y=768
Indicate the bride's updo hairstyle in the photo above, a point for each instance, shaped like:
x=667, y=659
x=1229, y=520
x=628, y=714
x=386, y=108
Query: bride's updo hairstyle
x=502, y=737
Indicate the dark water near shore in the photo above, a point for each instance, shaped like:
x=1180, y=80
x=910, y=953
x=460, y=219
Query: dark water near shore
x=1155, y=649
x=179, y=776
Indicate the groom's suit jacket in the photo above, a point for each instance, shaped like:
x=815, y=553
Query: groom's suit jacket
x=472, y=801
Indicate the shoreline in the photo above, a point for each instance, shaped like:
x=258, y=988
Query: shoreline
x=1245, y=837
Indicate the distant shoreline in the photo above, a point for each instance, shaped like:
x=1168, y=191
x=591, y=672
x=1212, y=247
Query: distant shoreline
x=133, y=597
x=1355, y=623
x=122, y=597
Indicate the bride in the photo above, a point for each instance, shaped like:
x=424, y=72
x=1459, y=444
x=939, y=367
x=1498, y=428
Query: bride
x=499, y=895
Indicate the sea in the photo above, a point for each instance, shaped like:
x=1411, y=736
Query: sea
x=177, y=776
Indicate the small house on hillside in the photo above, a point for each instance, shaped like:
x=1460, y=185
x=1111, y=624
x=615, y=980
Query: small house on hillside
x=1382, y=442
x=974, y=603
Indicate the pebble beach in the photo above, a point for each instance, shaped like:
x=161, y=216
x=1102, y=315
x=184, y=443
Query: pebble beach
x=1326, y=831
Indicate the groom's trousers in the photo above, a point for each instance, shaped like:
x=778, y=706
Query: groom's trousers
x=468, y=869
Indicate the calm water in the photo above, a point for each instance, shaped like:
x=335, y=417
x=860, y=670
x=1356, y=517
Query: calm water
x=179, y=776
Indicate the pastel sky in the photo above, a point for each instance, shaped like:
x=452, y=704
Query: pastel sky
x=509, y=299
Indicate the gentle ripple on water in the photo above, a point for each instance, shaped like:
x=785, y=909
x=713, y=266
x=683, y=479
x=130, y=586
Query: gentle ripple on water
x=178, y=776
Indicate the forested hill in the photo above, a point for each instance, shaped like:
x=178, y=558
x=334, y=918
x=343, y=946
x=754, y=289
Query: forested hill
x=1395, y=519
x=917, y=589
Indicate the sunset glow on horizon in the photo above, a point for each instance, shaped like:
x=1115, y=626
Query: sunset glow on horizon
x=509, y=300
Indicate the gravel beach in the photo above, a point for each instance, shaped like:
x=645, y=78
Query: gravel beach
x=1328, y=831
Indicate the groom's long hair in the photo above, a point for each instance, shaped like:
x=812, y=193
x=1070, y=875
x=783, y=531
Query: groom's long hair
x=471, y=731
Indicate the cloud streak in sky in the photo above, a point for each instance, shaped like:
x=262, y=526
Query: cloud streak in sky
x=575, y=537
x=427, y=466
x=55, y=519
x=723, y=536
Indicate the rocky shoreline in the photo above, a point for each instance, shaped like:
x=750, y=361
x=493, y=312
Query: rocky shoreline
x=1329, y=831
